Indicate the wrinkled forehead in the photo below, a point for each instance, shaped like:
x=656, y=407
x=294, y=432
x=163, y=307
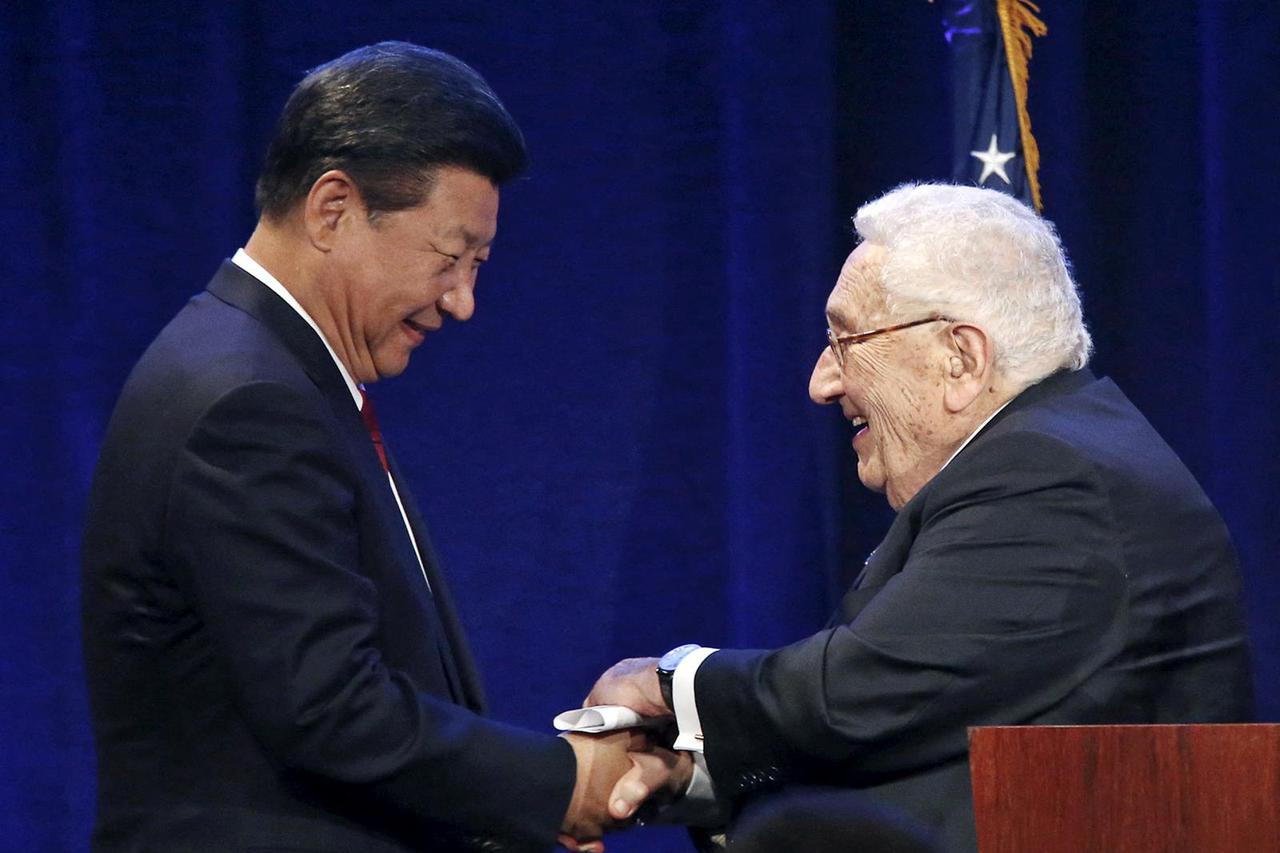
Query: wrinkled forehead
x=858, y=298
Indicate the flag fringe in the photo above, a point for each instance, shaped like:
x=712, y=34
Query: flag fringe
x=1018, y=22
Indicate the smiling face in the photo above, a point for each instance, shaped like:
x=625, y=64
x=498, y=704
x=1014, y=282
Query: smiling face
x=390, y=282
x=890, y=387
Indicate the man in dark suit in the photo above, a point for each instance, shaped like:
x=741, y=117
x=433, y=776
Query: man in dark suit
x=1052, y=560
x=272, y=655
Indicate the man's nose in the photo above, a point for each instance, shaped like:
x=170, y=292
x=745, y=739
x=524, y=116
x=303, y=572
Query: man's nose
x=459, y=301
x=826, y=383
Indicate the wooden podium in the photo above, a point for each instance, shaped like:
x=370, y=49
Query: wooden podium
x=1126, y=789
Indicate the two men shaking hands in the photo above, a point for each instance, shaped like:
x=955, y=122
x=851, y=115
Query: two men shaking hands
x=273, y=656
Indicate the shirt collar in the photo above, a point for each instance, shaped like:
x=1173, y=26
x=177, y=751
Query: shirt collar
x=255, y=269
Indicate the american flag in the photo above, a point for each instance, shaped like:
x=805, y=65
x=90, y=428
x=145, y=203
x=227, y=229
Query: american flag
x=990, y=53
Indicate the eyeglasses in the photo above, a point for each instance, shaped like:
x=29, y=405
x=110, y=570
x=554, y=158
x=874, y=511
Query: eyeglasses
x=838, y=343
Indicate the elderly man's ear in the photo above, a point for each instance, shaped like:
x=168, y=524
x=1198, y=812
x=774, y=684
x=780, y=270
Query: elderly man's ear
x=968, y=369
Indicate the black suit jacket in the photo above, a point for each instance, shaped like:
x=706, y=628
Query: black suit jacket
x=1064, y=568
x=267, y=667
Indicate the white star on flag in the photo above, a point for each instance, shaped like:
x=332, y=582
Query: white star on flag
x=993, y=160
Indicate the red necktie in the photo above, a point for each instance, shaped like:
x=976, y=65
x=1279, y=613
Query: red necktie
x=370, y=418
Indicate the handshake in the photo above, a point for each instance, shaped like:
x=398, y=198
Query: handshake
x=623, y=770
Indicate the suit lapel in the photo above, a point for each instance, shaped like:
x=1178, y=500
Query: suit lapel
x=883, y=563
x=237, y=287
x=456, y=652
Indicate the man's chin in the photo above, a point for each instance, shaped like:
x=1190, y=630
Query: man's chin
x=870, y=478
x=389, y=368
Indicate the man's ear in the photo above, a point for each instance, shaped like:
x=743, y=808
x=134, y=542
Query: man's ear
x=334, y=201
x=968, y=366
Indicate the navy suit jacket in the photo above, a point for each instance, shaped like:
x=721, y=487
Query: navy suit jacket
x=267, y=668
x=1064, y=568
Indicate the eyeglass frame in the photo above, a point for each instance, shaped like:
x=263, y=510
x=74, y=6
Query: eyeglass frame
x=837, y=343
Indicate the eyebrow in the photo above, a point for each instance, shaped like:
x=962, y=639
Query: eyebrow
x=468, y=236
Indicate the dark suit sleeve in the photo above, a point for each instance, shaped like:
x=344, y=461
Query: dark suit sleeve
x=262, y=527
x=1013, y=592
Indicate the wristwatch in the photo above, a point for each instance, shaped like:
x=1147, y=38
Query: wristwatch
x=667, y=669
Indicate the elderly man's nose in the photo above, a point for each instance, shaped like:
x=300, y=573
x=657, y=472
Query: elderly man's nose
x=825, y=385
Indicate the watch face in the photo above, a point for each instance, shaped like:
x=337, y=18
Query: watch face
x=672, y=659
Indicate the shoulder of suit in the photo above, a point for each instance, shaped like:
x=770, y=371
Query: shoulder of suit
x=1010, y=458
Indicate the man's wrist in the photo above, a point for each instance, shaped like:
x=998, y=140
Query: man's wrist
x=667, y=669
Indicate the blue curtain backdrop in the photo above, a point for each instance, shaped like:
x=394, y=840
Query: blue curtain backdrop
x=617, y=454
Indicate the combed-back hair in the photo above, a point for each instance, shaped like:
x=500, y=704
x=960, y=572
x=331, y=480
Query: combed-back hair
x=389, y=115
x=981, y=256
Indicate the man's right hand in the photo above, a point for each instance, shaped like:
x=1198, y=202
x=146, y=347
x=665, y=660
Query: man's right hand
x=617, y=773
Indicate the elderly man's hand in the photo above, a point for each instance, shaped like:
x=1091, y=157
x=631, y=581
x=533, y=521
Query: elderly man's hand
x=634, y=683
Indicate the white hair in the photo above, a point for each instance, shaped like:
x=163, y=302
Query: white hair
x=980, y=255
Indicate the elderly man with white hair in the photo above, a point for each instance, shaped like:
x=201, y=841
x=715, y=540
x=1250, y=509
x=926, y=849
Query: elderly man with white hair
x=1051, y=562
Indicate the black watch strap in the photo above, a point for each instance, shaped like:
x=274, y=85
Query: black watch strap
x=664, y=683
x=667, y=670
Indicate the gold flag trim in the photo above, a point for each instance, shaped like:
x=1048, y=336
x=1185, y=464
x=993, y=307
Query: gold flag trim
x=1018, y=23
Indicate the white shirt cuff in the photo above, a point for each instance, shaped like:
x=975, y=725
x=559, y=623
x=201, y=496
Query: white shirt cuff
x=700, y=787
x=698, y=806
x=686, y=705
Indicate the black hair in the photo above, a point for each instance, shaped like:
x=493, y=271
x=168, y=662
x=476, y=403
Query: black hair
x=389, y=115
